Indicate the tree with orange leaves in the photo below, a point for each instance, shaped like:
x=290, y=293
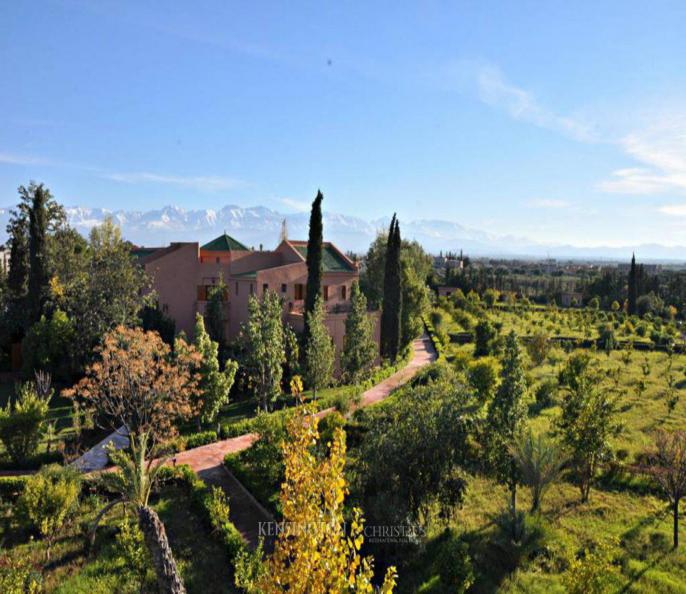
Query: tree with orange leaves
x=137, y=383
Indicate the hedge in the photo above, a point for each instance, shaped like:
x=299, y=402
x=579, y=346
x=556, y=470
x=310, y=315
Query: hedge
x=431, y=331
x=200, y=495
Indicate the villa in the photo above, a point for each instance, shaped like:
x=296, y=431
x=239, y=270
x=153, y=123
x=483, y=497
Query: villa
x=184, y=273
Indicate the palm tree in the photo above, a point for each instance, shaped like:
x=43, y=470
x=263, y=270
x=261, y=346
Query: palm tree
x=133, y=482
x=540, y=463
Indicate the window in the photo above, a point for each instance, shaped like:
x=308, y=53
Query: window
x=265, y=288
x=236, y=288
x=325, y=292
x=252, y=289
x=165, y=308
x=299, y=292
x=284, y=288
x=217, y=260
x=202, y=293
x=344, y=292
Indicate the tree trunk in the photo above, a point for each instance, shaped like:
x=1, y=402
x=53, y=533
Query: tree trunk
x=168, y=578
x=676, y=523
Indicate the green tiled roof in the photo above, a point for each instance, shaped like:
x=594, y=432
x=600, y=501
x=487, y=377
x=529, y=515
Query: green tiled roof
x=224, y=243
x=250, y=274
x=332, y=261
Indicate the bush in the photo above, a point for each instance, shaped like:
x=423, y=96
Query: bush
x=606, y=338
x=22, y=425
x=133, y=551
x=437, y=372
x=538, y=347
x=591, y=572
x=49, y=499
x=483, y=377
x=213, y=505
x=48, y=346
x=455, y=567
x=546, y=394
x=216, y=505
x=12, y=487
x=342, y=402
x=196, y=440
x=484, y=337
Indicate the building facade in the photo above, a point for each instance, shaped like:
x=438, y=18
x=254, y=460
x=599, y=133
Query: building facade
x=183, y=275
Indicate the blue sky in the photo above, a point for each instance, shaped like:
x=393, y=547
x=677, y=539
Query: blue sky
x=557, y=121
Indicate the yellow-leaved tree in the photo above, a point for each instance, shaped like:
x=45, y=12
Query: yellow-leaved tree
x=314, y=554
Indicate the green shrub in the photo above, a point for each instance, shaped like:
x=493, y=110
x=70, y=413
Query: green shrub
x=485, y=334
x=49, y=499
x=483, y=377
x=12, y=487
x=212, y=504
x=237, y=428
x=342, y=402
x=545, y=394
x=133, y=551
x=216, y=505
x=196, y=440
x=22, y=424
x=455, y=567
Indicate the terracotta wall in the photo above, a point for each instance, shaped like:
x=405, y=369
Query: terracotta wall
x=178, y=273
x=175, y=280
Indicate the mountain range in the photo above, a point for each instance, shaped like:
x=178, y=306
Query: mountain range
x=257, y=225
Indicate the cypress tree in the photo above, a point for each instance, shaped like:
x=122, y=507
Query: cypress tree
x=632, y=287
x=18, y=275
x=390, y=315
x=314, y=257
x=38, y=257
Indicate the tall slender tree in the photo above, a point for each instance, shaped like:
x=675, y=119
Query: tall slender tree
x=506, y=419
x=18, y=274
x=392, y=294
x=215, y=384
x=359, y=348
x=38, y=257
x=632, y=287
x=36, y=216
x=265, y=354
x=320, y=353
x=14, y=321
x=314, y=257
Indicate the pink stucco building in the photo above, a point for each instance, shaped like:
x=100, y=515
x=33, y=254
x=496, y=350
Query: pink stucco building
x=183, y=273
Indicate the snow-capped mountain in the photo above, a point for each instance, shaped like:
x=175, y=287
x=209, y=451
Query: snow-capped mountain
x=257, y=225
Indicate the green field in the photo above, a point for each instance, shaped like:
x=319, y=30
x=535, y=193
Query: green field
x=624, y=511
